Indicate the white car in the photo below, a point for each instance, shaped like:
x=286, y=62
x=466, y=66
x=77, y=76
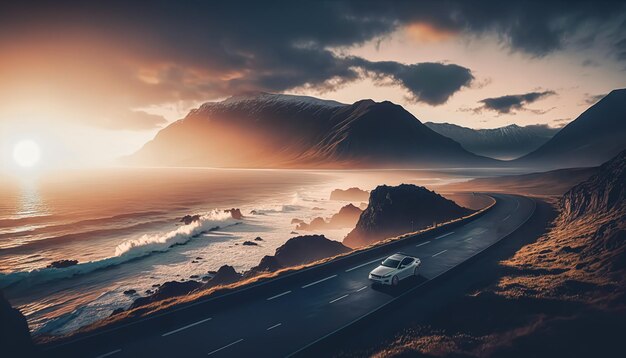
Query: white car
x=395, y=268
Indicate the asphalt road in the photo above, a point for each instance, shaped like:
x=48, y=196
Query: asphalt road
x=287, y=319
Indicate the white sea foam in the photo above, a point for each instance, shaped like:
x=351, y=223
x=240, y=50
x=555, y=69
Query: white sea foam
x=126, y=251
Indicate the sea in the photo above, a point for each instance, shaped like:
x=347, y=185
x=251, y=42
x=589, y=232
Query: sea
x=123, y=226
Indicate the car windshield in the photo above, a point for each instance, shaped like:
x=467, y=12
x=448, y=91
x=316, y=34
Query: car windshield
x=391, y=263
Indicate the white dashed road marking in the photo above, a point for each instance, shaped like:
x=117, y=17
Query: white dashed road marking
x=318, y=281
x=279, y=295
x=226, y=346
x=337, y=299
x=439, y=253
x=185, y=327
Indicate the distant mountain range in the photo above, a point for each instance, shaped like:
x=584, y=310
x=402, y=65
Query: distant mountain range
x=507, y=142
x=594, y=137
x=272, y=130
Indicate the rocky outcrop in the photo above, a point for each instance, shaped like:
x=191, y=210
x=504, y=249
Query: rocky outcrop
x=351, y=194
x=62, y=263
x=397, y=210
x=15, y=340
x=603, y=192
x=315, y=224
x=188, y=219
x=347, y=217
x=235, y=213
x=224, y=275
x=300, y=250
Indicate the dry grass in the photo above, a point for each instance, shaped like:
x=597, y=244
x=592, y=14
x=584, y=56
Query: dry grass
x=571, y=280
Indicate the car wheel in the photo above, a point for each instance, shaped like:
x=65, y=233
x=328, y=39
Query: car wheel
x=394, y=281
x=415, y=273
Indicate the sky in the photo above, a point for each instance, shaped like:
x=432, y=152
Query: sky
x=92, y=81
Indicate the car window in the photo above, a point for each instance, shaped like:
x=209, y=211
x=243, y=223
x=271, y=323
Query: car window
x=407, y=261
x=391, y=263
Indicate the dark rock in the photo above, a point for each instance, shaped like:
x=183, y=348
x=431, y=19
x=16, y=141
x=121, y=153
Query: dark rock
x=188, y=219
x=294, y=233
x=304, y=249
x=316, y=224
x=194, y=261
x=167, y=290
x=205, y=278
x=258, y=238
x=62, y=263
x=224, y=276
x=14, y=333
x=156, y=285
x=267, y=264
x=395, y=210
x=352, y=194
x=130, y=292
x=194, y=276
x=250, y=243
x=235, y=213
x=211, y=272
x=347, y=217
x=148, y=292
x=199, y=258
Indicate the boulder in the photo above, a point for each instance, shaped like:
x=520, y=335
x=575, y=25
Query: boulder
x=62, y=263
x=188, y=219
x=235, y=213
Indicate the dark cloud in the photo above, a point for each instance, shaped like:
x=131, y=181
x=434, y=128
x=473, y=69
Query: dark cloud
x=428, y=82
x=561, y=122
x=516, y=102
x=591, y=99
x=165, y=51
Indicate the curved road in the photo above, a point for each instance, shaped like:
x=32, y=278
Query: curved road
x=286, y=320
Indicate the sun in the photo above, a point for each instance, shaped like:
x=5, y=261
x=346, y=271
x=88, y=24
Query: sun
x=26, y=153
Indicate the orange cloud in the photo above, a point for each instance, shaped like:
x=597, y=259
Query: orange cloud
x=425, y=32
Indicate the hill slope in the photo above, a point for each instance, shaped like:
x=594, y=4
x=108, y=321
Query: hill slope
x=594, y=137
x=270, y=130
x=502, y=143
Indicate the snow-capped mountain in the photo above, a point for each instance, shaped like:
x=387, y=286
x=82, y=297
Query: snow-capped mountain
x=270, y=130
x=507, y=142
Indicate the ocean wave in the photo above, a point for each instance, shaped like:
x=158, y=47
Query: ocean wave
x=276, y=209
x=126, y=251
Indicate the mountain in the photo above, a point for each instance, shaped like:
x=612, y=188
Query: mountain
x=507, y=142
x=272, y=130
x=594, y=137
x=395, y=210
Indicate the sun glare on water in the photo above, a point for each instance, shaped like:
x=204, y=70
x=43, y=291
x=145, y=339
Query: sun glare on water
x=26, y=153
